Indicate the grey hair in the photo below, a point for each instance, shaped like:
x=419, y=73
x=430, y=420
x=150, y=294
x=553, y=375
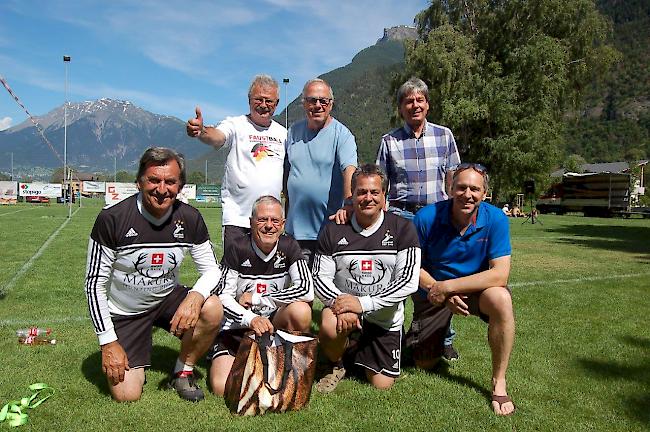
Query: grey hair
x=316, y=81
x=368, y=170
x=262, y=80
x=266, y=199
x=158, y=156
x=413, y=85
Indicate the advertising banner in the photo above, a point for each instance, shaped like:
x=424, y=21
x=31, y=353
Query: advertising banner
x=8, y=192
x=50, y=190
x=93, y=187
x=116, y=192
x=188, y=193
x=208, y=193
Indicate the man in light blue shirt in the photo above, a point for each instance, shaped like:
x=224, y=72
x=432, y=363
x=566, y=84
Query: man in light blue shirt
x=320, y=158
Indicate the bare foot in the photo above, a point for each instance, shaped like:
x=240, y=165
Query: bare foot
x=501, y=402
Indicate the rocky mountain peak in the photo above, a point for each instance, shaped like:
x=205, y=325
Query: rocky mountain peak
x=401, y=32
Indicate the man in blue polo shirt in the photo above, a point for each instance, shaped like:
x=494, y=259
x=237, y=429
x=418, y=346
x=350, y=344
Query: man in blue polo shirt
x=465, y=267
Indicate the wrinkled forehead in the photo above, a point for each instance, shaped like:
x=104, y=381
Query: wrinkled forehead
x=317, y=89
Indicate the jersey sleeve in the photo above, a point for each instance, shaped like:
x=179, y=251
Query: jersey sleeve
x=99, y=268
x=324, y=270
x=227, y=291
x=206, y=264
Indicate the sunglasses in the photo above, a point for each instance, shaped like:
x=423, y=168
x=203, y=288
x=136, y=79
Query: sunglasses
x=323, y=101
x=467, y=165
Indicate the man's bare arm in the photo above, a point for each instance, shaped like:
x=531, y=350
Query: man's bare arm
x=207, y=135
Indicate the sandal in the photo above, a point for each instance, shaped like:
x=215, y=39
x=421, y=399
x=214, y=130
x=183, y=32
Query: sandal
x=504, y=399
x=328, y=383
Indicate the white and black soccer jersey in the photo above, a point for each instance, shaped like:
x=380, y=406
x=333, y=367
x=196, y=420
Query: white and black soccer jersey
x=276, y=279
x=134, y=259
x=380, y=265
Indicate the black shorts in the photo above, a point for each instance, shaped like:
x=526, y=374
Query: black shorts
x=134, y=331
x=430, y=323
x=378, y=350
x=233, y=234
x=226, y=343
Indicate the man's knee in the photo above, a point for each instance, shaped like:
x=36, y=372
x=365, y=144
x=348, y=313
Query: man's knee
x=379, y=381
x=130, y=389
x=212, y=312
x=496, y=302
x=328, y=324
x=299, y=316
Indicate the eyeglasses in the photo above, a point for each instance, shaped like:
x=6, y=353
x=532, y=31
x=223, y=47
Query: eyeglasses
x=323, y=101
x=274, y=221
x=265, y=101
x=467, y=165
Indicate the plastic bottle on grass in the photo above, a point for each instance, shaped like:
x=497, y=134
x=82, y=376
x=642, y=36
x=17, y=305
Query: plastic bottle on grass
x=33, y=331
x=36, y=340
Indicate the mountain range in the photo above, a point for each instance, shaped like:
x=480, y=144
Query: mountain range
x=97, y=132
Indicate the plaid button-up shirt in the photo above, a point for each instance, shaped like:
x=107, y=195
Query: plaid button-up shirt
x=416, y=167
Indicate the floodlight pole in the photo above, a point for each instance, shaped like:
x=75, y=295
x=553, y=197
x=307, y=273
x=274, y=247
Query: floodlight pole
x=115, y=167
x=286, y=103
x=12, y=166
x=206, y=171
x=66, y=60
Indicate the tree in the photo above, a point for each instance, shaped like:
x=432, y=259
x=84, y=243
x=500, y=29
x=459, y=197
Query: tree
x=196, y=177
x=574, y=163
x=124, y=177
x=4, y=177
x=502, y=73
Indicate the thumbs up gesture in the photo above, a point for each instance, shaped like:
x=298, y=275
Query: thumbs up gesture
x=195, y=125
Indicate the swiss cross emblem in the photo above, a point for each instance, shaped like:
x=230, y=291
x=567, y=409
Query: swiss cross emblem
x=366, y=265
x=157, y=258
x=261, y=288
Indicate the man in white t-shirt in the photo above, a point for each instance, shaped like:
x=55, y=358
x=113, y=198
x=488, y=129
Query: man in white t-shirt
x=254, y=165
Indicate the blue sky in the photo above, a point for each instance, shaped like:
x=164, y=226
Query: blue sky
x=169, y=56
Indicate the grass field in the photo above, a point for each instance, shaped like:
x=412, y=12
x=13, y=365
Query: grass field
x=581, y=359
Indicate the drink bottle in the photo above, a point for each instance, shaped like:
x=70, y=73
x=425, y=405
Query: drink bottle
x=33, y=331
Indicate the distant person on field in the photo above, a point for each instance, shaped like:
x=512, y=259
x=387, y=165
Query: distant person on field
x=321, y=156
x=255, y=144
x=419, y=159
x=506, y=209
x=266, y=285
x=363, y=271
x=134, y=256
x=465, y=268
x=516, y=212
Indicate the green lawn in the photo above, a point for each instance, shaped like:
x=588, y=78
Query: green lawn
x=581, y=358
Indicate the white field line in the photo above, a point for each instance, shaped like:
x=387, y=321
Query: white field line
x=578, y=280
x=81, y=318
x=16, y=211
x=4, y=290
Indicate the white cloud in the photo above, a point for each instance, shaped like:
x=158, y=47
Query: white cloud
x=5, y=123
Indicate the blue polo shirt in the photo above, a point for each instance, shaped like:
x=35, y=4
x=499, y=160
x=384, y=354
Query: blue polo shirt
x=448, y=255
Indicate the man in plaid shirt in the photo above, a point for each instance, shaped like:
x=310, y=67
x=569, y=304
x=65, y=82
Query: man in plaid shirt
x=418, y=158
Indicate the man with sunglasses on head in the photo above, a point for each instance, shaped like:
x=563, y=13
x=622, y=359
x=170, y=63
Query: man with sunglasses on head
x=265, y=285
x=465, y=268
x=321, y=156
x=418, y=158
x=255, y=144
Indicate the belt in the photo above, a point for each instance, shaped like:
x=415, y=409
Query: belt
x=410, y=207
